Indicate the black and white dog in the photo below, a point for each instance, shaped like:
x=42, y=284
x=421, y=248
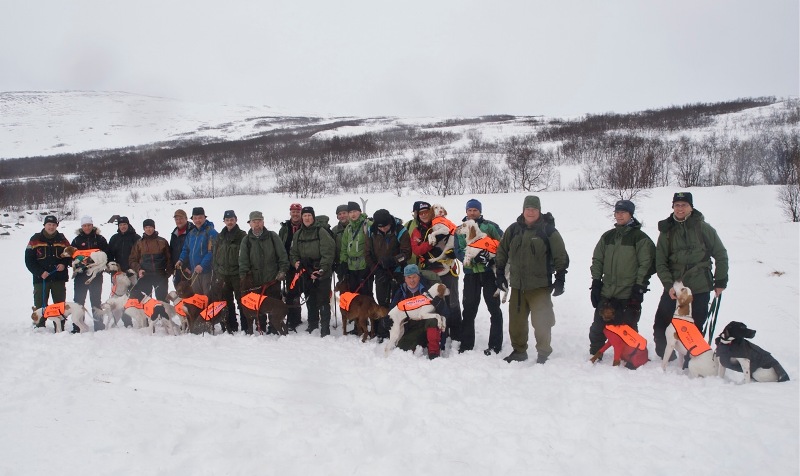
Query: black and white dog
x=735, y=352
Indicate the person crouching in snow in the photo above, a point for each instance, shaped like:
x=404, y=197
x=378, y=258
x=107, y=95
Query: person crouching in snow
x=426, y=332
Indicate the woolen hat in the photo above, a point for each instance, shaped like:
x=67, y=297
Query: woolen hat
x=179, y=213
x=341, y=208
x=625, y=206
x=86, y=220
x=353, y=207
x=295, y=206
x=473, y=203
x=123, y=220
x=198, y=212
x=50, y=219
x=229, y=214
x=382, y=217
x=683, y=197
x=149, y=222
x=532, y=201
x=419, y=206
x=410, y=269
x=255, y=215
x=310, y=210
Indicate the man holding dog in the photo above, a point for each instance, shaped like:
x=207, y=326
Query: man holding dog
x=262, y=262
x=478, y=277
x=622, y=263
x=425, y=332
x=535, y=251
x=198, y=251
x=150, y=259
x=686, y=244
x=286, y=233
x=88, y=237
x=49, y=269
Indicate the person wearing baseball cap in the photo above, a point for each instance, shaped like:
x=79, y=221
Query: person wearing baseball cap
x=198, y=251
x=226, y=268
x=176, y=239
x=150, y=259
x=88, y=238
x=286, y=233
x=46, y=265
x=684, y=251
x=622, y=264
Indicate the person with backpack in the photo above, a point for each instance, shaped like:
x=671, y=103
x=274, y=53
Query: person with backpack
x=534, y=249
x=198, y=251
x=352, y=257
x=622, y=263
x=479, y=279
x=388, y=249
x=311, y=256
x=292, y=296
x=226, y=268
x=342, y=217
x=685, y=246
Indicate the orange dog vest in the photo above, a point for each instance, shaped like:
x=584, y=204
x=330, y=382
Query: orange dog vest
x=198, y=300
x=690, y=337
x=412, y=303
x=253, y=301
x=486, y=243
x=54, y=310
x=444, y=221
x=180, y=309
x=213, y=310
x=133, y=303
x=628, y=335
x=84, y=253
x=345, y=299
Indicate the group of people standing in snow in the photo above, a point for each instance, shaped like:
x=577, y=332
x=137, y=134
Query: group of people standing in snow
x=396, y=259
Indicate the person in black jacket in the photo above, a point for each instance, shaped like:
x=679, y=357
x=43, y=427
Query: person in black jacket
x=88, y=237
x=43, y=259
x=121, y=244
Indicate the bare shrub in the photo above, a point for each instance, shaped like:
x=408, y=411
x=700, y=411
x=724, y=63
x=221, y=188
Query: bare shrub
x=529, y=166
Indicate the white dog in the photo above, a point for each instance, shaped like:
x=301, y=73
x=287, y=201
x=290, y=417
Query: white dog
x=111, y=310
x=440, y=226
x=141, y=309
x=424, y=310
x=478, y=242
x=59, y=312
x=684, y=338
x=92, y=262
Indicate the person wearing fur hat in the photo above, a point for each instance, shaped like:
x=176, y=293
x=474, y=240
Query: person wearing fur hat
x=535, y=251
x=685, y=246
x=198, y=252
x=45, y=263
x=121, y=243
x=622, y=264
x=150, y=259
x=286, y=233
x=479, y=279
x=352, y=256
x=88, y=237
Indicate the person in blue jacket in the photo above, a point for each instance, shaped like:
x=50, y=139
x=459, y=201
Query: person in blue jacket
x=197, y=252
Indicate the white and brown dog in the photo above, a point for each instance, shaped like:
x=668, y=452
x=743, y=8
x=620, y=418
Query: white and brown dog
x=735, y=352
x=92, y=262
x=417, y=309
x=121, y=284
x=481, y=244
x=59, y=312
x=685, y=338
x=441, y=234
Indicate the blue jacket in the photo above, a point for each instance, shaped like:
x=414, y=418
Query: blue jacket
x=197, y=249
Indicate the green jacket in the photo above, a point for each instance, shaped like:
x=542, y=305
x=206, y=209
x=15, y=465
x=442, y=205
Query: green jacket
x=353, y=250
x=624, y=256
x=226, y=251
x=262, y=256
x=684, y=251
x=315, y=246
x=338, y=232
x=525, y=250
x=490, y=228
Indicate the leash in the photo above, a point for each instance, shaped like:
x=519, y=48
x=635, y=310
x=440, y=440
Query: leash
x=366, y=278
x=711, y=318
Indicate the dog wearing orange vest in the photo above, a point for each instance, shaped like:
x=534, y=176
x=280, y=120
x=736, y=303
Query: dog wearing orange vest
x=111, y=310
x=91, y=262
x=441, y=233
x=629, y=346
x=479, y=243
x=425, y=310
x=360, y=308
x=685, y=338
x=258, y=308
x=59, y=312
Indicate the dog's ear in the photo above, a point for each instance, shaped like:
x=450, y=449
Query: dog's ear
x=472, y=233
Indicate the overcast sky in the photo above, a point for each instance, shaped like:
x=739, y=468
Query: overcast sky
x=410, y=57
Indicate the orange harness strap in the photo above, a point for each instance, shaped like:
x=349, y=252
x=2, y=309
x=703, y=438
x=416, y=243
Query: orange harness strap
x=253, y=301
x=412, y=303
x=345, y=299
x=213, y=310
x=630, y=336
x=198, y=300
x=133, y=303
x=486, y=243
x=114, y=282
x=690, y=337
x=54, y=310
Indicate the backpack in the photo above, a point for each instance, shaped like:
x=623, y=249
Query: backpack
x=549, y=228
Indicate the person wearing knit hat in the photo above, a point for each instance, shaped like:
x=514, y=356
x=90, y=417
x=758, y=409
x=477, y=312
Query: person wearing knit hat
x=150, y=259
x=479, y=279
x=622, y=263
x=88, y=238
x=352, y=254
x=538, y=270
x=121, y=243
x=286, y=233
x=342, y=217
x=353, y=206
x=226, y=270
x=684, y=251
x=176, y=240
x=311, y=255
x=197, y=253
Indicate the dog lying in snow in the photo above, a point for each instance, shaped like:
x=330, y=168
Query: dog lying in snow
x=59, y=312
x=629, y=345
x=92, y=262
x=685, y=338
x=481, y=246
x=735, y=352
x=441, y=234
x=422, y=308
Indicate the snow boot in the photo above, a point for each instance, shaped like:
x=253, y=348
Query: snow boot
x=434, y=335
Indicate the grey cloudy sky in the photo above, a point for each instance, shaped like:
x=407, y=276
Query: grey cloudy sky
x=411, y=57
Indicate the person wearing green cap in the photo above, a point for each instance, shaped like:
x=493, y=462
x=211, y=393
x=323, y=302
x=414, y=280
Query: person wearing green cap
x=225, y=263
x=535, y=251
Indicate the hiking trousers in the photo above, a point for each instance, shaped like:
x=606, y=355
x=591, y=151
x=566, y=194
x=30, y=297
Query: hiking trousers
x=537, y=304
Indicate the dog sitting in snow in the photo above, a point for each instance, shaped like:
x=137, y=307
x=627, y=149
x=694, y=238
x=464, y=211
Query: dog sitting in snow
x=421, y=308
x=735, y=352
x=629, y=345
x=59, y=312
x=441, y=234
x=482, y=247
x=685, y=338
x=92, y=262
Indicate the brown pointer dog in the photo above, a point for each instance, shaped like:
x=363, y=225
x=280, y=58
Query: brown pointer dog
x=360, y=308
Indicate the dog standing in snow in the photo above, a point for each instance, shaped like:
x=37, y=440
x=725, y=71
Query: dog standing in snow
x=59, y=312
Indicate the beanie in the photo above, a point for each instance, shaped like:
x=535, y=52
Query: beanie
x=473, y=203
x=87, y=220
x=382, y=217
x=410, y=269
x=532, y=201
x=625, y=206
x=295, y=206
x=341, y=208
x=149, y=222
x=310, y=210
x=50, y=219
x=683, y=197
x=353, y=207
x=121, y=220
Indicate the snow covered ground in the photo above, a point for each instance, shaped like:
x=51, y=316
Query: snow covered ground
x=120, y=402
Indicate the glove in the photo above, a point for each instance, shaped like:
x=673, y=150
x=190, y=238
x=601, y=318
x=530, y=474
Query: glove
x=597, y=286
x=637, y=293
x=482, y=258
x=501, y=281
x=558, y=284
x=280, y=276
x=388, y=262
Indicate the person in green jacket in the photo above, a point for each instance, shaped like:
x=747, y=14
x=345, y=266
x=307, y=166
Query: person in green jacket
x=535, y=251
x=263, y=263
x=622, y=263
x=353, y=255
x=342, y=217
x=686, y=244
x=312, y=256
x=226, y=267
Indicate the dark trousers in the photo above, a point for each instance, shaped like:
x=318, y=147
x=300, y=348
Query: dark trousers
x=386, y=284
x=666, y=308
x=625, y=312
x=95, y=290
x=474, y=285
x=232, y=289
x=292, y=298
x=153, y=284
x=57, y=290
x=454, y=303
x=318, y=303
x=358, y=279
